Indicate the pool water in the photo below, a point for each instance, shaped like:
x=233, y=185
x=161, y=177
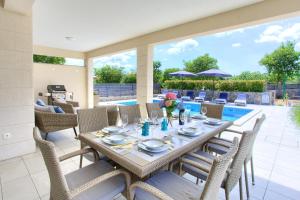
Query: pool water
x=229, y=113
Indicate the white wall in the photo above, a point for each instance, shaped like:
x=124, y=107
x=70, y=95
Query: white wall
x=73, y=77
x=16, y=88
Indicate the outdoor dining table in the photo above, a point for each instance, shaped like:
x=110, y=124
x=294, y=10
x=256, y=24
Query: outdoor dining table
x=142, y=163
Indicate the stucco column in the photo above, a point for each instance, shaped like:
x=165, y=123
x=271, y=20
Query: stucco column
x=90, y=82
x=144, y=76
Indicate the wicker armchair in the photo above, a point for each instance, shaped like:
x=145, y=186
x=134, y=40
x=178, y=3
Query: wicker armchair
x=213, y=110
x=132, y=112
x=154, y=107
x=234, y=172
x=96, y=181
x=50, y=122
x=168, y=185
x=68, y=107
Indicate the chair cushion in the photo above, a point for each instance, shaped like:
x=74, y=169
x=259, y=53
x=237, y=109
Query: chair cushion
x=217, y=148
x=43, y=108
x=58, y=109
x=194, y=170
x=105, y=190
x=170, y=183
x=40, y=102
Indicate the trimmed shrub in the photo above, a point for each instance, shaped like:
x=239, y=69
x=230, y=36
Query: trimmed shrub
x=222, y=85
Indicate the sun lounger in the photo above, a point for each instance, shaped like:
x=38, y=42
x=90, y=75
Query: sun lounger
x=201, y=97
x=241, y=100
x=222, y=98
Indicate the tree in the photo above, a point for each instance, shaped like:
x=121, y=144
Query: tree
x=282, y=63
x=129, y=78
x=156, y=72
x=49, y=59
x=201, y=63
x=247, y=75
x=109, y=74
x=166, y=76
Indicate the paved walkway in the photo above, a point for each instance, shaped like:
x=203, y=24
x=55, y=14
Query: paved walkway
x=276, y=157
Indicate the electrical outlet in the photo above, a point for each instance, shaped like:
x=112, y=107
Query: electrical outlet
x=6, y=136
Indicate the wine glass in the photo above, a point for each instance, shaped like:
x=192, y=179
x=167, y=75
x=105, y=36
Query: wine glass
x=154, y=117
x=137, y=125
x=203, y=110
x=124, y=119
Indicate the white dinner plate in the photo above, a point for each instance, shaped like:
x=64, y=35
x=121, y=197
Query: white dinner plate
x=199, y=116
x=116, y=139
x=107, y=141
x=190, y=134
x=212, y=121
x=111, y=129
x=153, y=144
x=162, y=149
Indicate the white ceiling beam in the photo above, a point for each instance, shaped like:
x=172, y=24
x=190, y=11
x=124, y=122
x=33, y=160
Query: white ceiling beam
x=20, y=6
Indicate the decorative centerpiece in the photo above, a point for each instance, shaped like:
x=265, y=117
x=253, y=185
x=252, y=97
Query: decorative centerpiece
x=170, y=104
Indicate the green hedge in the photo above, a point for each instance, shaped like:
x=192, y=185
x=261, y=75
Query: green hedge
x=222, y=85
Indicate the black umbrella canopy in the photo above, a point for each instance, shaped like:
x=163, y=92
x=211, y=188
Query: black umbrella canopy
x=182, y=74
x=214, y=73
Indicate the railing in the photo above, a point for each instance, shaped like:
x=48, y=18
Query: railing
x=116, y=89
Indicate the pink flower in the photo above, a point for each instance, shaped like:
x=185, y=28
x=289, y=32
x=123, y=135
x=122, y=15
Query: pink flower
x=168, y=103
x=171, y=95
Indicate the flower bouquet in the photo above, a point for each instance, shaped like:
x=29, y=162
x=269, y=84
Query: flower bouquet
x=170, y=104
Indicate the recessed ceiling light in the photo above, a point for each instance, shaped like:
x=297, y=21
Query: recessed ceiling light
x=70, y=38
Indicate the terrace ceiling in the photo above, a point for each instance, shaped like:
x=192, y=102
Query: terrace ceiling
x=97, y=23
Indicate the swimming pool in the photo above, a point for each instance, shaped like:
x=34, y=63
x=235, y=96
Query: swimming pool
x=229, y=113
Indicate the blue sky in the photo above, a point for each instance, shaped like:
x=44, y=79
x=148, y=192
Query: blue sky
x=236, y=51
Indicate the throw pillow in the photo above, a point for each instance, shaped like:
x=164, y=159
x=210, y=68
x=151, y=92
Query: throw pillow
x=58, y=109
x=40, y=102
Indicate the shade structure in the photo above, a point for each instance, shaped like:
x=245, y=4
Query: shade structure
x=214, y=73
x=182, y=74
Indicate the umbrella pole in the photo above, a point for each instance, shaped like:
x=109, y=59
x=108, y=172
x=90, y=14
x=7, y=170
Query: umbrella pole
x=213, y=89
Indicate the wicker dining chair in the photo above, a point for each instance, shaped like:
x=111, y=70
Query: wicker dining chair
x=213, y=110
x=168, y=185
x=96, y=181
x=112, y=114
x=220, y=146
x=154, y=107
x=132, y=111
x=234, y=173
x=90, y=120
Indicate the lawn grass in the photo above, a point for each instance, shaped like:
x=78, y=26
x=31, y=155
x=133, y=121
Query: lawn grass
x=296, y=114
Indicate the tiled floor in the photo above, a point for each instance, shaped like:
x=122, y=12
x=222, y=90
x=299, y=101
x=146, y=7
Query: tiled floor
x=276, y=157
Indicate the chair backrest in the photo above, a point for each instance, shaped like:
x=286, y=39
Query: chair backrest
x=213, y=110
x=202, y=94
x=154, y=107
x=223, y=95
x=258, y=122
x=112, y=114
x=242, y=96
x=92, y=119
x=132, y=111
x=190, y=94
x=217, y=173
x=238, y=160
x=59, y=189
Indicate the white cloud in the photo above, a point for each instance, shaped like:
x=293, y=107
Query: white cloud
x=118, y=60
x=183, y=46
x=277, y=33
x=236, y=45
x=222, y=34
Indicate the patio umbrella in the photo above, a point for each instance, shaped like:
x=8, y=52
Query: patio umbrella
x=182, y=74
x=214, y=73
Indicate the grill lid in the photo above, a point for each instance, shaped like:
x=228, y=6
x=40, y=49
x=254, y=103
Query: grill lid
x=56, y=88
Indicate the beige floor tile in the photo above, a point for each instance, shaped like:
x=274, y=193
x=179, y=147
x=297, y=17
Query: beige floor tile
x=12, y=169
x=35, y=164
x=19, y=189
x=45, y=197
x=42, y=182
x=270, y=195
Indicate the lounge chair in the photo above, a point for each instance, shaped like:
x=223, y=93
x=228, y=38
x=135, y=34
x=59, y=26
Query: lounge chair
x=201, y=97
x=189, y=96
x=241, y=100
x=222, y=98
